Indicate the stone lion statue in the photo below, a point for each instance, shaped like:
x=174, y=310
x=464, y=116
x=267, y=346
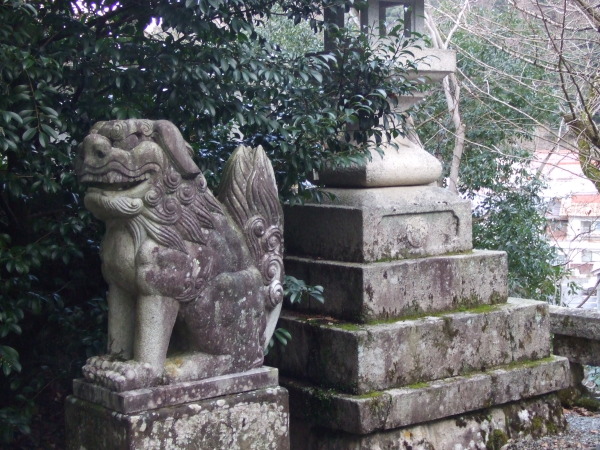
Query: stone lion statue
x=194, y=281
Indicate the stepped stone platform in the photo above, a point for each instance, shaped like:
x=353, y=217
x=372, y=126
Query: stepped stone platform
x=243, y=410
x=362, y=358
x=367, y=225
x=417, y=344
x=484, y=429
x=423, y=402
x=364, y=292
x=576, y=334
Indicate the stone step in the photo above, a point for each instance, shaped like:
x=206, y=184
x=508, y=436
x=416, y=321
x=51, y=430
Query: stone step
x=364, y=292
x=576, y=334
x=487, y=428
x=367, y=225
x=396, y=408
x=358, y=359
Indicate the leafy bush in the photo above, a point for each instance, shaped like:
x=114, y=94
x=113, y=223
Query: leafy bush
x=200, y=64
x=501, y=117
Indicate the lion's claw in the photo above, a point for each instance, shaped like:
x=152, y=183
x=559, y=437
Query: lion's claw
x=120, y=375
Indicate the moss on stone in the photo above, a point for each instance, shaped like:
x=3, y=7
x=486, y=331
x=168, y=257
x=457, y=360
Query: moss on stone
x=347, y=326
x=361, y=323
x=497, y=440
x=568, y=396
x=567, y=322
x=537, y=425
x=404, y=254
x=369, y=395
x=589, y=403
x=526, y=364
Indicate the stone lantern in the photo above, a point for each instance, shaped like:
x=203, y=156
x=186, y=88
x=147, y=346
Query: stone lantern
x=382, y=15
x=377, y=364
x=405, y=162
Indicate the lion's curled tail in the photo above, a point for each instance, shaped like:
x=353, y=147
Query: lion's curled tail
x=249, y=193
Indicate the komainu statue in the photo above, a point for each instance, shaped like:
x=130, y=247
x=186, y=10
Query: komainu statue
x=194, y=282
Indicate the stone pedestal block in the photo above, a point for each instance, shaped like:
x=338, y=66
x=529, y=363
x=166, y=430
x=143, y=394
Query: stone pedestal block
x=239, y=411
x=403, y=163
x=358, y=359
x=378, y=224
x=417, y=345
x=487, y=428
x=426, y=402
x=365, y=292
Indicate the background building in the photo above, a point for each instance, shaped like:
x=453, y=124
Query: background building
x=574, y=219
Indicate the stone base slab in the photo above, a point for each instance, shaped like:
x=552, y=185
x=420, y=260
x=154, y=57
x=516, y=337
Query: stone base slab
x=172, y=394
x=576, y=334
x=358, y=359
x=484, y=429
x=363, y=292
x=577, y=350
x=396, y=408
x=367, y=225
x=250, y=420
x=577, y=322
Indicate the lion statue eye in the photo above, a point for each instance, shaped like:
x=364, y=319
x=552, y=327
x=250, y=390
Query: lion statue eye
x=132, y=141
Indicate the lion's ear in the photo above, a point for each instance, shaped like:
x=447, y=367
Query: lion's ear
x=96, y=127
x=171, y=140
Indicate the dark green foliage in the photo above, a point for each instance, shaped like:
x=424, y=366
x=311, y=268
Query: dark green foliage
x=503, y=100
x=297, y=290
x=67, y=64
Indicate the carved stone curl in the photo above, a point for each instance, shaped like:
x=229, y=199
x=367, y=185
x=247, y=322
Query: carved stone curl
x=188, y=275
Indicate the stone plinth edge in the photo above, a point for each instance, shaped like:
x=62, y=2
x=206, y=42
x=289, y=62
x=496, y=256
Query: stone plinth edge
x=403, y=163
x=395, y=408
x=258, y=419
x=377, y=224
x=358, y=359
x=576, y=334
x=485, y=428
x=364, y=292
x=173, y=394
x=576, y=322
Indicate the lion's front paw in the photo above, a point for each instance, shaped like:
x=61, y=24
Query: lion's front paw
x=120, y=375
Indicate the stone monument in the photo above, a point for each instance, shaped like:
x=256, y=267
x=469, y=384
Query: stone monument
x=194, y=295
x=417, y=345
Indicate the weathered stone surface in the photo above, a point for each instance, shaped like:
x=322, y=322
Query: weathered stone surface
x=178, y=261
x=578, y=350
x=256, y=420
x=474, y=431
x=362, y=292
x=366, y=225
x=583, y=323
x=576, y=334
x=395, y=408
x=407, y=165
x=172, y=394
x=362, y=358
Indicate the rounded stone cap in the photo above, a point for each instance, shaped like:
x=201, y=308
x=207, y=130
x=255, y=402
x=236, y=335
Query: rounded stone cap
x=408, y=165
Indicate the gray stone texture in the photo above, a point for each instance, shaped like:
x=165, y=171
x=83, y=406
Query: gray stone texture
x=403, y=163
x=577, y=350
x=576, y=334
x=358, y=359
x=377, y=224
x=188, y=274
x=363, y=292
x=256, y=420
x=474, y=431
x=173, y=394
x=577, y=322
x=396, y=408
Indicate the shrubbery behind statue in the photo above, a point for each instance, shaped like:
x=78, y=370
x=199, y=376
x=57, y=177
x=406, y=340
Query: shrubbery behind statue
x=190, y=276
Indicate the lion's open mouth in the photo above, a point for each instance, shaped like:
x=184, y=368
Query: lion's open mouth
x=113, y=181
